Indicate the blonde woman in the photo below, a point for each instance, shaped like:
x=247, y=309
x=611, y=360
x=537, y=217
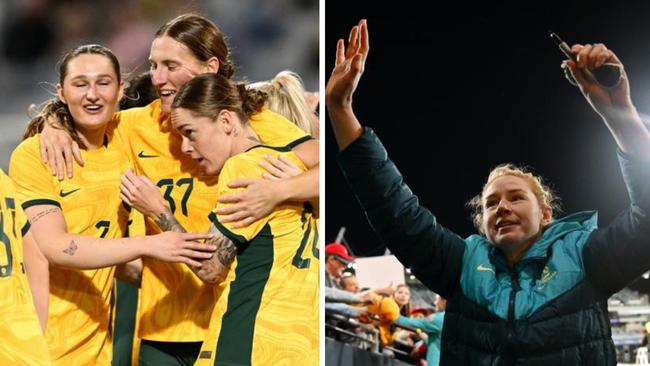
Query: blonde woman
x=531, y=288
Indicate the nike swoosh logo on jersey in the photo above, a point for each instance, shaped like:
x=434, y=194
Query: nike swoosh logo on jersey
x=484, y=268
x=141, y=154
x=63, y=194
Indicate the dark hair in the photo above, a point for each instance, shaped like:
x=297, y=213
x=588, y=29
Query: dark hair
x=207, y=94
x=202, y=37
x=139, y=92
x=55, y=107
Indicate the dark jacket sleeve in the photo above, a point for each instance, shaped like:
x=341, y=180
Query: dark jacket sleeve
x=412, y=233
x=620, y=252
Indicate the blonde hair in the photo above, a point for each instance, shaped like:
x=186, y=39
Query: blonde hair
x=286, y=96
x=544, y=194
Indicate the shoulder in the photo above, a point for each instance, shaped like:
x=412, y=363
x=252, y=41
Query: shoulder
x=27, y=148
x=150, y=112
x=6, y=183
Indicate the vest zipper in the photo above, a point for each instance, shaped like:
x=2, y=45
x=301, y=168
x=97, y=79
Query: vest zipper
x=514, y=277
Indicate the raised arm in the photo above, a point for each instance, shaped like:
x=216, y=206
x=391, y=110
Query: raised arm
x=349, y=67
x=143, y=195
x=408, y=229
x=64, y=249
x=618, y=253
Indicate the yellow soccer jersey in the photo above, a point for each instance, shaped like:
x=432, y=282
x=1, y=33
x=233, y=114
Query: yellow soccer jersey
x=175, y=305
x=268, y=312
x=22, y=342
x=79, y=311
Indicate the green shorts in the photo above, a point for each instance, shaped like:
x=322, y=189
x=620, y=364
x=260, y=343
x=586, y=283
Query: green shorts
x=126, y=308
x=154, y=353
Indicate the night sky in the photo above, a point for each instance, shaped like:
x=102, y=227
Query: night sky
x=455, y=90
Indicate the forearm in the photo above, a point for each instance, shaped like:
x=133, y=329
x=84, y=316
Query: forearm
x=619, y=252
x=215, y=269
x=86, y=252
x=423, y=324
x=302, y=187
x=336, y=295
x=38, y=276
x=629, y=132
x=343, y=309
x=408, y=229
x=345, y=124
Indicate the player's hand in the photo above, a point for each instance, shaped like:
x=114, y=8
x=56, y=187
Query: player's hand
x=58, y=149
x=140, y=192
x=257, y=200
x=279, y=168
x=172, y=246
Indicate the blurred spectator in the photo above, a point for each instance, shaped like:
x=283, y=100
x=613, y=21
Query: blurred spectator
x=337, y=259
x=350, y=283
x=432, y=327
x=28, y=35
x=402, y=297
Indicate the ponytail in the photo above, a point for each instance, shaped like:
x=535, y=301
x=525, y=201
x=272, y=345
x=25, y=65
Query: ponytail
x=252, y=100
x=54, y=109
x=286, y=96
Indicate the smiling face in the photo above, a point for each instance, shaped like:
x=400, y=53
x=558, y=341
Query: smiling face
x=173, y=65
x=91, y=89
x=513, y=218
x=206, y=140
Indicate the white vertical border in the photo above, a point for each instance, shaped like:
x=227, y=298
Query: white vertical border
x=321, y=177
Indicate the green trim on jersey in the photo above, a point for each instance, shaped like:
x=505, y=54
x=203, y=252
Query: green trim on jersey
x=254, y=263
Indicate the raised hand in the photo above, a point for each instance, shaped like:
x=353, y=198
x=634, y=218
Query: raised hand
x=343, y=82
x=614, y=104
x=607, y=102
x=348, y=68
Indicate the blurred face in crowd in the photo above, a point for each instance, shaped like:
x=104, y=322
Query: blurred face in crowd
x=334, y=267
x=418, y=315
x=512, y=216
x=402, y=295
x=350, y=284
x=173, y=65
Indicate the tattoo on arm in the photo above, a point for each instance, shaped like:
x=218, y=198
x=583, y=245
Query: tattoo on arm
x=226, y=249
x=215, y=269
x=40, y=215
x=71, y=248
x=167, y=222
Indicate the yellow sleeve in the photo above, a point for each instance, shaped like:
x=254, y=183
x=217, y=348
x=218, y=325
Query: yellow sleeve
x=275, y=130
x=234, y=168
x=32, y=178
